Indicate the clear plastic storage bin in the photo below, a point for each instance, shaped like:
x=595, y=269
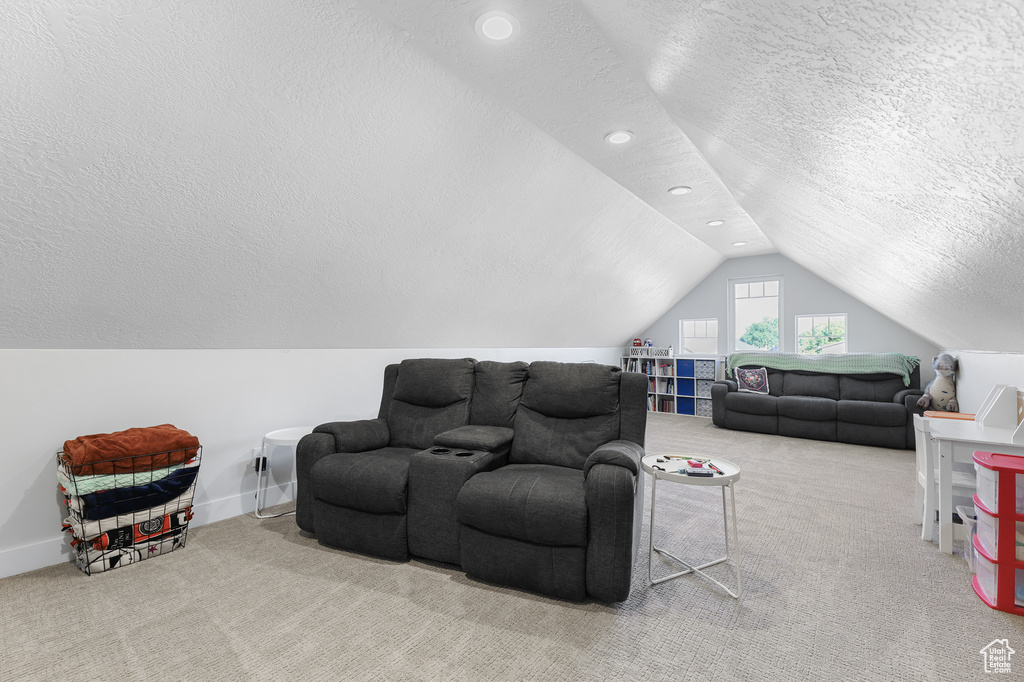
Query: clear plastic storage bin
x=988, y=488
x=986, y=573
x=969, y=517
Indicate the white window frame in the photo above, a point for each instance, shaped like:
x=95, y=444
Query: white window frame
x=796, y=328
x=731, y=297
x=682, y=336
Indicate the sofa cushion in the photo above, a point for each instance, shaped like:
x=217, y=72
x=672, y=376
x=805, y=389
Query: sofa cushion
x=807, y=408
x=496, y=395
x=750, y=403
x=373, y=481
x=874, y=387
x=873, y=414
x=572, y=390
x=532, y=502
x=811, y=384
x=431, y=395
x=566, y=412
x=434, y=382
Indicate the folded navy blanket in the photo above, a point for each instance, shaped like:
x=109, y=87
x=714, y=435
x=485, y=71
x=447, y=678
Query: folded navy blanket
x=127, y=500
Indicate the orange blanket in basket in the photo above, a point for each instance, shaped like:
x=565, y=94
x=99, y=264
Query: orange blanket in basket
x=141, y=449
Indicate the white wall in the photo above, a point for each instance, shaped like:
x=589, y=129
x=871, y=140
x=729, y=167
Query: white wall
x=804, y=293
x=227, y=398
x=979, y=371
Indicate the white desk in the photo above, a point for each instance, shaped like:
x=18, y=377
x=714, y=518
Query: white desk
x=960, y=438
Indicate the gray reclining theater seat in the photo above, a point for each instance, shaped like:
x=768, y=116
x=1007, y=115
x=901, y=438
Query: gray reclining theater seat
x=563, y=518
x=352, y=477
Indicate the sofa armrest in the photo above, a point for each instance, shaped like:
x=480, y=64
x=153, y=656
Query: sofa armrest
x=357, y=436
x=901, y=396
x=615, y=504
x=622, y=453
x=475, y=437
x=719, y=390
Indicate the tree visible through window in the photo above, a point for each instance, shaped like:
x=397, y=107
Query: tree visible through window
x=817, y=334
x=754, y=307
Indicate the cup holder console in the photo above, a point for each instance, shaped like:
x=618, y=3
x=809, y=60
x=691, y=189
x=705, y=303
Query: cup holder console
x=445, y=451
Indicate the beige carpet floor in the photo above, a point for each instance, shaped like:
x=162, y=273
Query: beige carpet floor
x=837, y=585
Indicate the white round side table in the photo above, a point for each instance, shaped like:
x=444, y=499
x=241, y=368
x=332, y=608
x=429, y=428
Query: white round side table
x=667, y=467
x=282, y=437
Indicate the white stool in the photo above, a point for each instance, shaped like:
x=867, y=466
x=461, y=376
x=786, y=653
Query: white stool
x=282, y=437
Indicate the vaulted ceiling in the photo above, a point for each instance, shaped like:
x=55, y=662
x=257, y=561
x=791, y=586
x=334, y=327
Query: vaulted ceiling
x=290, y=173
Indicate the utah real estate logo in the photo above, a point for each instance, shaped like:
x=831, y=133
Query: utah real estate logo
x=997, y=656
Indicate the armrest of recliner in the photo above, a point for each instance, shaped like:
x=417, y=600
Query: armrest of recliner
x=357, y=436
x=730, y=385
x=719, y=390
x=901, y=396
x=615, y=502
x=475, y=437
x=621, y=453
x=326, y=439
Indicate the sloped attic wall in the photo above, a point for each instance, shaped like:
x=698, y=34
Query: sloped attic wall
x=803, y=293
x=293, y=174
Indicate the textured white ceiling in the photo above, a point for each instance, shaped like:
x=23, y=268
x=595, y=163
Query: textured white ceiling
x=297, y=174
x=878, y=143
x=290, y=173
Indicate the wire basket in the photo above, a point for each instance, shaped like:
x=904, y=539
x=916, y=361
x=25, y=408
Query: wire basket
x=125, y=510
x=646, y=352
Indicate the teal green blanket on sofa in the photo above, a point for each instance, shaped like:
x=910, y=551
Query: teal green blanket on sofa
x=836, y=363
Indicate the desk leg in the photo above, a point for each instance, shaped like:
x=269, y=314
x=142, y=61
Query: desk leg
x=945, y=497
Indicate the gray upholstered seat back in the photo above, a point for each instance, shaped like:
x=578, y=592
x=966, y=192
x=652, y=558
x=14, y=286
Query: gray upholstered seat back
x=880, y=388
x=431, y=395
x=497, y=391
x=566, y=412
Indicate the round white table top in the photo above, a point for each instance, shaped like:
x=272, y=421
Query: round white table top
x=289, y=436
x=673, y=462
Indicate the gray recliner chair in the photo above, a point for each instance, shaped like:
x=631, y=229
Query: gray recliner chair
x=564, y=517
x=352, y=477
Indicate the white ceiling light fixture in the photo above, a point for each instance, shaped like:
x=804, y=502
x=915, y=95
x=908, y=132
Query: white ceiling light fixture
x=619, y=137
x=739, y=243
x=681, y=189
x=497, y=26
x=715, y=223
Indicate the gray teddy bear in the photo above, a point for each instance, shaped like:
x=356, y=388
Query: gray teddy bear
x=940, y=394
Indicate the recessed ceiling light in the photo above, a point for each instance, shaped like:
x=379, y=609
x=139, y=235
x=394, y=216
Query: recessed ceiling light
x=715, y=223
x=739, y=243
x=619, y=137
x=497, y=26
x=681, y=189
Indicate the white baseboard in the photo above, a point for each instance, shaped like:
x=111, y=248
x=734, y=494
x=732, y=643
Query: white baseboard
x=57, y=550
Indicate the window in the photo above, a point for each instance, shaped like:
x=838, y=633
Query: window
x=817, y=334
x=699, y=336
x=755, y=306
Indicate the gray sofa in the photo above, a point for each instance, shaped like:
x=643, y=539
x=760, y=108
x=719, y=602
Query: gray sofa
x=525, y=475
x=865, y=409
